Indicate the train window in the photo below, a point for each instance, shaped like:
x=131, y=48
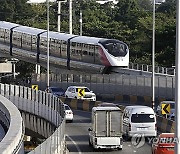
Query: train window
x=85, y=52
x=115, y=48
x=73, y=44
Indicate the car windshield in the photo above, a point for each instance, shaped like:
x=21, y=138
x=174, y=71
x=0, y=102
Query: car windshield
x=67, y=107
x=142, y=118
x=172, y=105
x=107, y=104
x=115, y=48
x=86, y=89
x=57, y=89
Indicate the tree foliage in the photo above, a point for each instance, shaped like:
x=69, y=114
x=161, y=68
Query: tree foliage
x=129, y=21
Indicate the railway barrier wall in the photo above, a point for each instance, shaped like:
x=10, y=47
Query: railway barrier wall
x=112, y=86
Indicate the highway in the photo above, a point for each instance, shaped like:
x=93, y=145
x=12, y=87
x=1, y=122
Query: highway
x=77, y=137
x=2, y=132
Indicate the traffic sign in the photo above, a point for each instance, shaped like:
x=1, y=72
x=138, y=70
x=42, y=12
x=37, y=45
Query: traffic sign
x=81, y=92
x=166, y=108
x=35, y=87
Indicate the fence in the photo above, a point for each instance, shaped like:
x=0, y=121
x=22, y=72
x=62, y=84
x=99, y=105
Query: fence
x=148, y=68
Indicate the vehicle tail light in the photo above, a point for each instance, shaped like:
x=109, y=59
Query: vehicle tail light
x=95, y=140
x=121, y=141
x=129, y=127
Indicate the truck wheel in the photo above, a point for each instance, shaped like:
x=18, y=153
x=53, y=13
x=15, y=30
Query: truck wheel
x=90, y=143
x=127, y=136
x=119, y=148
x=95, y=150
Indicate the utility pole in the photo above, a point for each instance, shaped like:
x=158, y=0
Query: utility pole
x=59, y=16
x=177, y=80
x=47, y=1
x=80, y=21
x=153, y=57
x=70, y=16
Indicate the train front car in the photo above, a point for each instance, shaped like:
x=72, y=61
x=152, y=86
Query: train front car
x=113, y=53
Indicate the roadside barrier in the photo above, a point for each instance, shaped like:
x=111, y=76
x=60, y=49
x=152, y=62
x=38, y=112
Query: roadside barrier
x=130, y=99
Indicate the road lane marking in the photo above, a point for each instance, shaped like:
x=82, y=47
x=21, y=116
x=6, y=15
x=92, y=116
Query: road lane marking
x=78, y=149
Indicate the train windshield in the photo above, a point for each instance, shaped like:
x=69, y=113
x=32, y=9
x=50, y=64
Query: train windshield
x=115, y=47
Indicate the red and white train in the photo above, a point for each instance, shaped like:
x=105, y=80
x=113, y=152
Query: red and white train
x=72, y=49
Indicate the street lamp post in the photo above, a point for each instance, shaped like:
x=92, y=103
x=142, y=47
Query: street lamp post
x=153, y=57
x=177, y=80
x=59, y=16
x=70, y=16
x=80, y=21
x=47, y=1
x=59, y=13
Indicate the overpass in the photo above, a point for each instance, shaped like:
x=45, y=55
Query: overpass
x=42, y=114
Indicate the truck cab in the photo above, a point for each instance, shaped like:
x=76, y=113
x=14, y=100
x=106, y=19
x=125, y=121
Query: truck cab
x=106, y=129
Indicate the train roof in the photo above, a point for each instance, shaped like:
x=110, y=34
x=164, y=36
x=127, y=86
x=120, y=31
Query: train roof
x=57, y=35
x=28, y=30
x=53, y=35
x=87, y=40
x=7, y=25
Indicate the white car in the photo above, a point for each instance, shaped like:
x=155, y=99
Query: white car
x=68, y=113
x=80, y=92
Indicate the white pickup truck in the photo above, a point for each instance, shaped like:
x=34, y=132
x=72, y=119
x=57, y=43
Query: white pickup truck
x=106, y=129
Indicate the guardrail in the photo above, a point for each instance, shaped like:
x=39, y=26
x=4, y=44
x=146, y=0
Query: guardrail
x=148, y=68
x=13, y=140
x=42, y=105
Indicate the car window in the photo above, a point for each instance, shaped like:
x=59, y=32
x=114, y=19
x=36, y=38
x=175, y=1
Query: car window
x=87, y=90
x=172, y=106
x=57, y=89
x=73, y=90
x=69, y=89
x=142, y=118
x=67, y=107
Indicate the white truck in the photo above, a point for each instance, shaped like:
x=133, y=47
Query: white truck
x=106, y=129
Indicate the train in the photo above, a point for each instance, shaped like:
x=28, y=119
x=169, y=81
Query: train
x=71, y=50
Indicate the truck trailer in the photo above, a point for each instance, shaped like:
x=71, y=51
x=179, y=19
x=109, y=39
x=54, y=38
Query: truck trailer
x=106, y=129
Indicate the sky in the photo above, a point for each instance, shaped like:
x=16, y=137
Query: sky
x=39, y=1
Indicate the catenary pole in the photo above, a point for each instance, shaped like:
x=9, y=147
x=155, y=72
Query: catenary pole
x=70, y=16
x=47, y=1
x=59, y=16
